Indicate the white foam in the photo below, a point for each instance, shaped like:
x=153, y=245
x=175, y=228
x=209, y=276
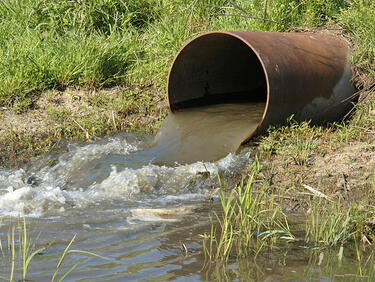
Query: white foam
x=77, y=157
x=12, y=178
x=51, y=194
x=14, y=201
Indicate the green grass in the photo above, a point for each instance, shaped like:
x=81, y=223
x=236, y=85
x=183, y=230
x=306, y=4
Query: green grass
x=254, y=217
x=20, y=261
x=295, y=142
x=250, y=220
x=104, y=43
x=298, y=142
x=330, y=225
x=359, y=21
x=49, y=44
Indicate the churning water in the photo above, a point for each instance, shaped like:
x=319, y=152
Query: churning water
x=141, y=203
x=131, y=198
x=199, y=141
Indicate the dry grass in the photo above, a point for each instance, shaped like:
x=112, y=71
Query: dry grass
x=77, y=114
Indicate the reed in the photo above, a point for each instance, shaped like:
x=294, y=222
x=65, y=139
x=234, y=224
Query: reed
x=250, y=220
x=20, y=262
x=328, y=225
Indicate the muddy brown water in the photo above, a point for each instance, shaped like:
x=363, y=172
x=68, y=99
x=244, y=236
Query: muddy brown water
x=135, y=199
x=207, y=133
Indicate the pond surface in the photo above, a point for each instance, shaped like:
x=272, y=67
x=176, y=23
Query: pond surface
x=143, y=209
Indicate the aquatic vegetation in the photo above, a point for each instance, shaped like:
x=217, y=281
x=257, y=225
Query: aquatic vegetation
x=329, y=224
x=250, y=220
x=51, y=46
x=27, y=252
x=254, y=216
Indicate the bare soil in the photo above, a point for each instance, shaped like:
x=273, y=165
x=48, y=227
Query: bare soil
x=77, y=114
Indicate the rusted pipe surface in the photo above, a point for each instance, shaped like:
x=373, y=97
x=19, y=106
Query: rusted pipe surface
x=304, y=74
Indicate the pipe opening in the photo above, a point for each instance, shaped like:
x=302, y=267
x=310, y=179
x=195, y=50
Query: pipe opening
x=216, y=68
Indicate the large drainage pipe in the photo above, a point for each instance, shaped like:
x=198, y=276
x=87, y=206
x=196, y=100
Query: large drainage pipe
x=307, y=75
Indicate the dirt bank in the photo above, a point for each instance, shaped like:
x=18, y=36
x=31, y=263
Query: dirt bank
x=336, y=159
x=77, y=114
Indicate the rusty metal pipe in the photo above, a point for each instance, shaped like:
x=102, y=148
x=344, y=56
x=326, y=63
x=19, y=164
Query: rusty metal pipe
x=304, y=74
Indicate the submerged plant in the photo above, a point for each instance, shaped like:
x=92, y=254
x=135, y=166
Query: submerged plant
x=328, y=225
x=26, y=253
x=250, y=220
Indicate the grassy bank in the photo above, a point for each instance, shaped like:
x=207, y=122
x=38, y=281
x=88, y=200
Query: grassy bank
x=82, y=69
x=323, y=174
x=77, y=70
x=308, y=188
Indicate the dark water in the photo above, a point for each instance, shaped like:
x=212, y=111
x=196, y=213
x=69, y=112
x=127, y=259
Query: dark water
x=135, y=200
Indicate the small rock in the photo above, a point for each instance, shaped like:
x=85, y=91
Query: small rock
x=372, y=113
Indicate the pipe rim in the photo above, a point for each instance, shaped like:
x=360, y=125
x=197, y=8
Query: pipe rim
x=239, y=37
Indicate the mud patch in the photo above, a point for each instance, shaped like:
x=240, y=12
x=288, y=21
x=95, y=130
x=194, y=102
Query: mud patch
x=348, y=173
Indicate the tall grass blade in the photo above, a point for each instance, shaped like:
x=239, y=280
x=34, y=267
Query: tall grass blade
x=67, y=272
x=88, y=253
x=25, y=250
x=29, y=258
x=13, y=255
x=63, y=257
